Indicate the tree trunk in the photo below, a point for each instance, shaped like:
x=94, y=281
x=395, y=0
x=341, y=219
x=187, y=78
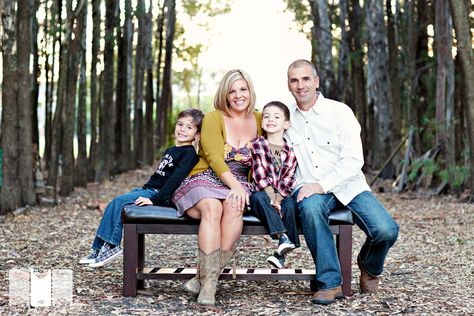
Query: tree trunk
x=166, y=93
x=393, y=44
x=34, y=4
x=25, y=135
x=357, y=73
x=149, y=146
x=10, y=195
x=378, y=82
x=460, y=13
x=81, y=162
x=107, y=114
x=321, y=20
x=160, y=119
x=73, y=56
x=124, y=70
x=343, y=79
x=138, y=143
x=94, y=96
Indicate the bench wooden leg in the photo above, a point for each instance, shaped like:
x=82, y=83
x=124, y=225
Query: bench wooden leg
x=130, y=259
x=344, y=251
x=141, y=259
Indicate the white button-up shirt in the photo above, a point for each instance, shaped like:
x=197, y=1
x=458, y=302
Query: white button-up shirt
x=326, y=140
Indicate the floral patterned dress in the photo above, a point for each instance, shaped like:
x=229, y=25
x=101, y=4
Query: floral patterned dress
x=207, y=184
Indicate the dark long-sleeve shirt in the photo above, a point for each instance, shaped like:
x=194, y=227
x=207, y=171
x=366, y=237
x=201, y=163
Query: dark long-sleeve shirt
x=175, y=165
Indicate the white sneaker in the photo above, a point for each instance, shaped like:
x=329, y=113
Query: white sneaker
x=106, y=254
x=90, y=258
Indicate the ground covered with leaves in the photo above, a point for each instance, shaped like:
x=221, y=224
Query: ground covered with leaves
x=430, y=270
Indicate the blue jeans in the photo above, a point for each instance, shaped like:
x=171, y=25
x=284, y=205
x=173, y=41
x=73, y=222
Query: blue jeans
x=110, y=227
x=261, y=207
x=369, y=215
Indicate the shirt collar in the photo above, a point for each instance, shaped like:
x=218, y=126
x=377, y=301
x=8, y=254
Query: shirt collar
x=317, y=108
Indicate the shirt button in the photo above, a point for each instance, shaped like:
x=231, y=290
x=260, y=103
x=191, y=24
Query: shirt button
x=328, y=143
x=306, y=122
x=308, y=138
x=315, y=166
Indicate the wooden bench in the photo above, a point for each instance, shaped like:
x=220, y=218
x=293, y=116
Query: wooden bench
x=139, y=221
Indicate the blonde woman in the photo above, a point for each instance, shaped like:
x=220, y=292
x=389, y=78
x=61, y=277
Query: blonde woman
x=217, y=189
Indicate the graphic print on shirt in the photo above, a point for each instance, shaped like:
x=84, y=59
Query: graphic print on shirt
x=167, y=161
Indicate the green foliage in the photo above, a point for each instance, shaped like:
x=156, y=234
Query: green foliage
x=428, y=165
x=302, y=13
x=460, y=176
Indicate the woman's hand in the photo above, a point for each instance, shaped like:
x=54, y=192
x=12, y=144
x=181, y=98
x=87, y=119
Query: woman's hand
x=142, y=201
x=238, y=198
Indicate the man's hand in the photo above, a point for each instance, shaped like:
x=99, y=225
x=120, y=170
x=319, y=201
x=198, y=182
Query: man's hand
x=142, y=201
x=309, y=189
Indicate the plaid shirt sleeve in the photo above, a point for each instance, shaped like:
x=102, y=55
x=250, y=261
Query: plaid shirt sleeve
x=287, y=174
x=259, y=173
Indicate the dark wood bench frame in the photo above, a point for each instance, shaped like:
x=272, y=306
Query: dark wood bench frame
x=135, y=273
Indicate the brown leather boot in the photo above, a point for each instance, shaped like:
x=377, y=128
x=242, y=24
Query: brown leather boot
x=209, y=265
x=325, y=297
x=193, y=286
x=368, y=283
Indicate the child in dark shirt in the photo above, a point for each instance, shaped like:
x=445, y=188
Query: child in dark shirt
x=175, y=165
x=273, y=170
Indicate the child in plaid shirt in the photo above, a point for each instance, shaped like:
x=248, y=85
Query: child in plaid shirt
x=273, y=170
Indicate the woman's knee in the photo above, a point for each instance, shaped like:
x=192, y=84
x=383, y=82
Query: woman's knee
x=210, y=210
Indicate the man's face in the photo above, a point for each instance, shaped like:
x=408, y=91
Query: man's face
x=303, y=84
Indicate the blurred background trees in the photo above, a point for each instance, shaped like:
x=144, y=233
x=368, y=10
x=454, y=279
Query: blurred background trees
x=105, y=70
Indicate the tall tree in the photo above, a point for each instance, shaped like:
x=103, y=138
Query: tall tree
x=34, y=4
x=461, y=11
x=160, y=119
x=81, y=162
x=73, y=56
x=124, y=80
x=94, y=96
x=138, y=143
x=149, y=135
x=166, y=93
x=356, y=39
x=107, y=113
x=10, y=196
x=378, y=81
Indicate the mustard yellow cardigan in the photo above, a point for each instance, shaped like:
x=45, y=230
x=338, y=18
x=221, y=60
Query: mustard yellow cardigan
x=213, y=137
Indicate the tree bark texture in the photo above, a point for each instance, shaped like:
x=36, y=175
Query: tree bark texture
x=124, y=69
x=378, y=81
x=81, y=162
x=94, y=96
x=107, y=113
x=160, y=119
x=25, y=136
x=460, y=13
x=166, y=93
x=138, y=134
x=149, y=134
x=10, y=196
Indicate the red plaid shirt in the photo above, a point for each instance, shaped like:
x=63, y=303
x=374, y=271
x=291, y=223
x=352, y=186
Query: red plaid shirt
x=263, y=169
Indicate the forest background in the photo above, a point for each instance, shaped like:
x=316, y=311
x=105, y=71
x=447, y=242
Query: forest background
x=89, y=89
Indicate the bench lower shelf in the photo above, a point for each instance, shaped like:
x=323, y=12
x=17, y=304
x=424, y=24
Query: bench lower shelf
x=228, y=274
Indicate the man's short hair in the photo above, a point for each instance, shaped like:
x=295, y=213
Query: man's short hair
x=303, y=62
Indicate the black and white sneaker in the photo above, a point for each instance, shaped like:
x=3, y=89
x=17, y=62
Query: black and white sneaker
x=285, y=245
x=90, y=258
x=106, y=254
x=276, y=260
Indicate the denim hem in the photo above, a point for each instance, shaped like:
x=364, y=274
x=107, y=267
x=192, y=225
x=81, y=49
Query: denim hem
x=272, y=234
x=329, y=287
x=107, y=241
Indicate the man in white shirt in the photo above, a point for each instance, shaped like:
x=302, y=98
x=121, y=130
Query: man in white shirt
x=325, y=136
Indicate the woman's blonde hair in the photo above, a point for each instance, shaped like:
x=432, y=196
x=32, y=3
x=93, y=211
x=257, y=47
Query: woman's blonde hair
x=220, y=100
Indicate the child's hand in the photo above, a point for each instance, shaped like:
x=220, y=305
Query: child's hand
x=277, y=207
x=142, y=201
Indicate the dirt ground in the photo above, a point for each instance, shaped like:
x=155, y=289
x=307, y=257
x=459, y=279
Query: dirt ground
x=429, y=271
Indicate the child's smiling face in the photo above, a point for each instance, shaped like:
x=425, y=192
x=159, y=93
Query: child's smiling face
x=273, y=120
x=185, y=131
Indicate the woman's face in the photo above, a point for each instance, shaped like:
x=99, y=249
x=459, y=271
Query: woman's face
x=239, y=97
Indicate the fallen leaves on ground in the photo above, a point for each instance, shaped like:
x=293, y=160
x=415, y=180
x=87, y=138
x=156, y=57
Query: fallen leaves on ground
x=429, y=270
